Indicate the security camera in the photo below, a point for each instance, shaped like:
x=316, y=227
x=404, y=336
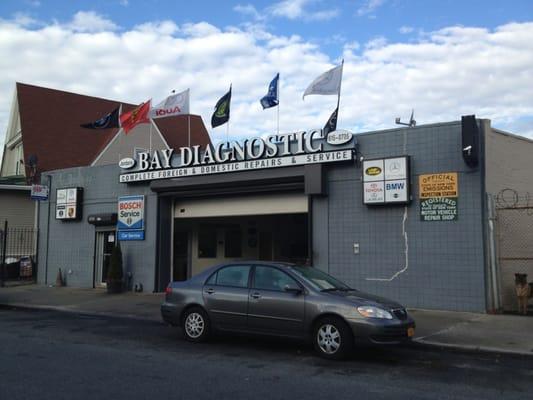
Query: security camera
x=467, y=151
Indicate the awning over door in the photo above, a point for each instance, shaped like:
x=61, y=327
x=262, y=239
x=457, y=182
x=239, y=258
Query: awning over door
x=279, y=203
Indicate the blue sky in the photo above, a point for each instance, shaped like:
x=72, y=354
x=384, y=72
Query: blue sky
x=349, y=20
x=444, y=58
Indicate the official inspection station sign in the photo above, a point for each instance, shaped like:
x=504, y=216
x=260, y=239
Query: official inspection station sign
x=438, y=196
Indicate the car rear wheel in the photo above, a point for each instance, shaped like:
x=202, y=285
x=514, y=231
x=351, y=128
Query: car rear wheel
x=333, y=339
x=196, y=325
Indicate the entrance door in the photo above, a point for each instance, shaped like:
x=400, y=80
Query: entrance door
x=181, y=256
x=105, y=241
x=265, y=246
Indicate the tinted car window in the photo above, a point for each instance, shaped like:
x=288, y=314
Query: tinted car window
x=319, y=279
x=236, y=275
x=269, y=278
x=212, y=279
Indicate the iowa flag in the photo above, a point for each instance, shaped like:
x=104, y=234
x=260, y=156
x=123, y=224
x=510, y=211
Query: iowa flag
x=139, y=115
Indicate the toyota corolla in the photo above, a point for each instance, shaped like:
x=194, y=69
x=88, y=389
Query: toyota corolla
x=285, y=300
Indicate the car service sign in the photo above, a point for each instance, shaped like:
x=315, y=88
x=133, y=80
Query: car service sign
x=130, y=219
x=39, y=192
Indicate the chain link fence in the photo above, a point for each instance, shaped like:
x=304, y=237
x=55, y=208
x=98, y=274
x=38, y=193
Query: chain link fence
x=18, y=253
x=514, y=229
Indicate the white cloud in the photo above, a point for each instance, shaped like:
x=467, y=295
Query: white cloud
x=406, y=29
x=296, y=9
x=249, y=10
x=369, y=6
x=445, y=74
x=89, y=21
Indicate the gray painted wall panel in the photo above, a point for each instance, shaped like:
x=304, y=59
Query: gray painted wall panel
x=445, y=259
x=71, y=244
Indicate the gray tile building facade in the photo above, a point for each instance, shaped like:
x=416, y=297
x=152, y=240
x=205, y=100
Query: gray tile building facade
x=383, y=249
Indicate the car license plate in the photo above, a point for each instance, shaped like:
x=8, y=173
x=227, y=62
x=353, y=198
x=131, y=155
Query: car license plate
x=410, y=332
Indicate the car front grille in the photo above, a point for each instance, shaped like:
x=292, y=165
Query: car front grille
x=400, y=313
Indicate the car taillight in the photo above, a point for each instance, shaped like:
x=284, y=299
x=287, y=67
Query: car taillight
x=168, y=290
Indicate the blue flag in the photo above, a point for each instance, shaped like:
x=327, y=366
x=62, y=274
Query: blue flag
x=271, y=99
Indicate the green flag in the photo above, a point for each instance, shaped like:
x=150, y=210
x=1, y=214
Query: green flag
x=221, y=114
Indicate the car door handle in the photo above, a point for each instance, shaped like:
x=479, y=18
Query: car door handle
x=210, y=291
x=255, y=296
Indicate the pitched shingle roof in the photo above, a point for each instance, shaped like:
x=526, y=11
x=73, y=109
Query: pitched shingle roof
x=50, y=121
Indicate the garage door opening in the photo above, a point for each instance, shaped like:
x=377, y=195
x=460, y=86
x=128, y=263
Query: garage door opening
x=209, y=232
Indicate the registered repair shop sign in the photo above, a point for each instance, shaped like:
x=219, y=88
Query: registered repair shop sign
x=131, y=217
x=439, y=195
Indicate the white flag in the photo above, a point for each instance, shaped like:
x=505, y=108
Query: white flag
x=327, y=83
x=175, y=104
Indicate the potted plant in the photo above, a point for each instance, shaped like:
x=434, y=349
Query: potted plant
x=115, y=273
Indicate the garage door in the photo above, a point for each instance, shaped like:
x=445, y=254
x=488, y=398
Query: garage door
x=287, y=203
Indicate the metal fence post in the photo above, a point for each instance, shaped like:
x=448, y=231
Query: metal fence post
x=4, y=247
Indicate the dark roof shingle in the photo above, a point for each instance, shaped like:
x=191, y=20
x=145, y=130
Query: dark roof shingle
x=50, y=121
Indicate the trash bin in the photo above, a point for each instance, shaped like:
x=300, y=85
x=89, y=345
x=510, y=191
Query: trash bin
x=26, y=267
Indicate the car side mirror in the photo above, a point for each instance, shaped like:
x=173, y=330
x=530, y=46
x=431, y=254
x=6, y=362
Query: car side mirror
x=293, y=289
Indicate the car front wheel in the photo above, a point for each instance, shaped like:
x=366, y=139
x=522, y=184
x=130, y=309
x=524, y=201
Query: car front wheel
x=333, y=339
x=195, y=325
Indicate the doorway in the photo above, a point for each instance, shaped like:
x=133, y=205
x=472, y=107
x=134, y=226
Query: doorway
x=180, y=271
x=200, y=243
x=105, y=241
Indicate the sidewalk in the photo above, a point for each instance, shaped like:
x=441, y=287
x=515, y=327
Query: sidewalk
x=142, y=306
x=466, y=331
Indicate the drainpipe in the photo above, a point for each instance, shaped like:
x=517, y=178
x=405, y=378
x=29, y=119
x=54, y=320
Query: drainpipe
x=48, y=229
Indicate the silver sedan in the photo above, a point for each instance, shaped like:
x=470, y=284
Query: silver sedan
x=285, y=300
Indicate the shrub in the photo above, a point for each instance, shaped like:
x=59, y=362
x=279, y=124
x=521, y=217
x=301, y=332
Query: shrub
x=115, y=272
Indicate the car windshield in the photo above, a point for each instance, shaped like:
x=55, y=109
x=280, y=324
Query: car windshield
x=319, y=279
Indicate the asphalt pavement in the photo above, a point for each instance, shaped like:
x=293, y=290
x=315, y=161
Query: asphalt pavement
x=444, y=329
x=56, y=355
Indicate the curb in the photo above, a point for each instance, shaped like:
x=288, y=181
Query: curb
x=420, y=342
x=134, y=317
x=470, y=348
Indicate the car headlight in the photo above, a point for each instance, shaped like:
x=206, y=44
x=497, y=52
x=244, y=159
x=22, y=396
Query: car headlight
x=374, y=312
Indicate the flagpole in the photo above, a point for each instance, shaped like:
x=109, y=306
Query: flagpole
x=278, y=102
x=189, y=117
x=189, y=128
x=227, y=131
x=339, y=94
x=151, y=135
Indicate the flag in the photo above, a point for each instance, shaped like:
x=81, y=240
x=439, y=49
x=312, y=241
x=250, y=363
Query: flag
x=271, y=99
x=331, y=125
x=139, y=115
x=110, y=120
x=327, y=83
x=175, y=104
x=221, y=114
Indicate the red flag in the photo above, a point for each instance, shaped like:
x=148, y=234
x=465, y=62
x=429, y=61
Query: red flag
x=139, y=115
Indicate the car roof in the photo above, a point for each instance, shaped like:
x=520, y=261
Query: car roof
x=258, y=262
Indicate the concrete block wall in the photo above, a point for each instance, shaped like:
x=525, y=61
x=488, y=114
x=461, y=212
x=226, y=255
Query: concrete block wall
x=445, y=260
x=71, y=245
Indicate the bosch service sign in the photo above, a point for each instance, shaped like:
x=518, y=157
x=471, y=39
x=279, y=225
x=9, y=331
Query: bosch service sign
x=131, y=218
